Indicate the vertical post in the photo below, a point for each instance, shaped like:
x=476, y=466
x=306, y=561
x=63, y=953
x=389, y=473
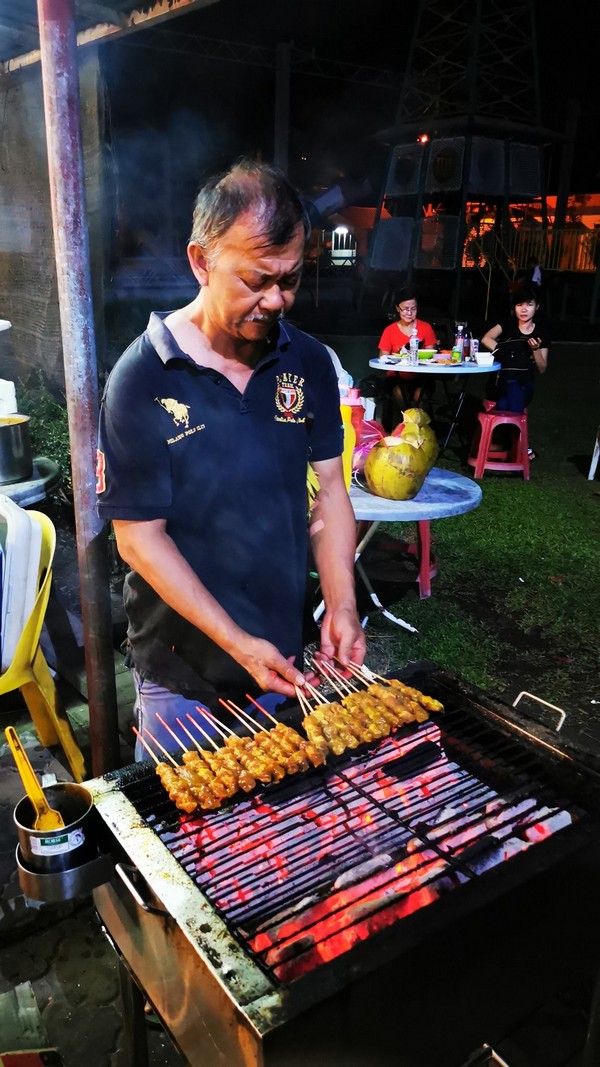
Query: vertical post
x=60, y=80
x=282, y=106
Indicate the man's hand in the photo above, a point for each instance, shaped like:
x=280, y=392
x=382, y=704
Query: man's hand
x=272, y=671
x=342, y=637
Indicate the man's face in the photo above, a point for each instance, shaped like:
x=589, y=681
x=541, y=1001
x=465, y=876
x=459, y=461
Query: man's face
x=250, y=284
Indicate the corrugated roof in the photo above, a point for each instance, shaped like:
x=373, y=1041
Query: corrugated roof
x=19, y=30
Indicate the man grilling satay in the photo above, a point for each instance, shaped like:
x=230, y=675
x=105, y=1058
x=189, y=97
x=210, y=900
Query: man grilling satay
x=207, y=424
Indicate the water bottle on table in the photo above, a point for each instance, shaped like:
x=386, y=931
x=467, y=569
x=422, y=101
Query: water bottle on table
x=459, y=343
x=413, y=348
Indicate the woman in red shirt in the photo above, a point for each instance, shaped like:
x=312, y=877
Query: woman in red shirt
x=405, y=390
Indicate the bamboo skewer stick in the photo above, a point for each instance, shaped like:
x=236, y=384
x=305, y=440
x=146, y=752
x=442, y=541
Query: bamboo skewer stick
x=172, y=732
x=303, y=702
x=212, y=722
x=366, y=672
x=245, y=714
x=146, y=745
x=357, y=672
x=210, y=739
x=231, y=708
x=313, y=692
x=264, y=710
x=340, y=684
x=162, y=749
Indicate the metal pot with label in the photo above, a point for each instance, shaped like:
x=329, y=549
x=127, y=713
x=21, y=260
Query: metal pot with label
x=59, y=864
x=16, y=463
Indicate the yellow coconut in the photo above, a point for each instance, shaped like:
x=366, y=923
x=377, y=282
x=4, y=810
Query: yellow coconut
x=396, y=467
x=416, y=417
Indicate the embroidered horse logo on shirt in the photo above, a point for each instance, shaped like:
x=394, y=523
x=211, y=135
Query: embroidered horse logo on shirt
x=180, y=412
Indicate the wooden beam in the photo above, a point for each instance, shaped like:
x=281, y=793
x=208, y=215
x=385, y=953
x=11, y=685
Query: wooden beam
x=102, y=31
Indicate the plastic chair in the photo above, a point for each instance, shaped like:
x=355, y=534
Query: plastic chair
x=29, y=671
x=515, y=459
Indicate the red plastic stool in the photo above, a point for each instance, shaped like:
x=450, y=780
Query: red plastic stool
x=516, y=459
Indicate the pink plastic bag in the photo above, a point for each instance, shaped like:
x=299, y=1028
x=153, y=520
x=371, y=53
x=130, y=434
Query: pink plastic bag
x=371, y=432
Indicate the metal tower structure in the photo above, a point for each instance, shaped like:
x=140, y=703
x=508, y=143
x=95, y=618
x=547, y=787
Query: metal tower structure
x=474, y=61
x=468, y=130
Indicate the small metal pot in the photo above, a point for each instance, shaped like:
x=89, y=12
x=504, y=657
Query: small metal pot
x=16, y=464
x=76, y=843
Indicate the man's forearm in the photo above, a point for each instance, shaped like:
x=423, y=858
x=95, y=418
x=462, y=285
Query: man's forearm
x=333, y=539
x=154, y=556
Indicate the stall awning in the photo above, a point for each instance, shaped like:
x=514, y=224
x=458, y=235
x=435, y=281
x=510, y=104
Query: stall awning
x=95, y=21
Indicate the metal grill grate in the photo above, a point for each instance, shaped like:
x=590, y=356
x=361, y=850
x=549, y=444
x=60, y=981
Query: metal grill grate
x=305, y=870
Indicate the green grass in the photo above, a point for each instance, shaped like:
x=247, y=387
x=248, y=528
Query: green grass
x=516, y=603
x=48, y=426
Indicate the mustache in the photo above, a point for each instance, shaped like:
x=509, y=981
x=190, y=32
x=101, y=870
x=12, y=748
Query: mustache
x=265, y=318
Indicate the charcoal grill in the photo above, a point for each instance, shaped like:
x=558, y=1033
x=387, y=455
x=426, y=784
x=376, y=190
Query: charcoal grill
x=253, y=928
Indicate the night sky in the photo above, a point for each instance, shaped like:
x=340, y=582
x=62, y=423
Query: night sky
x=207, y=112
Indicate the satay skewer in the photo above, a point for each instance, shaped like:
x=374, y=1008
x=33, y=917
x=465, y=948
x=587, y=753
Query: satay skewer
x=264, y=710
x=171, y=777
x=223, y=758
x=161, y=747
x=146, y=745
x=242, y=716
x=172, y=732
x=254, y=761
x=270, y=742
x=291, y=736
x=218, y=725
x=200, y=776
x=194, y=740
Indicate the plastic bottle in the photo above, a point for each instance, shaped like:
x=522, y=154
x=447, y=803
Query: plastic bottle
x=349, y=441
x=466, y=345
x=459, y=343
x=357, y=410
x=413, y=348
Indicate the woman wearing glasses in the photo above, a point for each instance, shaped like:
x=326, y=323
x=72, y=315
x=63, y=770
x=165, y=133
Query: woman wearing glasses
x=406, y=390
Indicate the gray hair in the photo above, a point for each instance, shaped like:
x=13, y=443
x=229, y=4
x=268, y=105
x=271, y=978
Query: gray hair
x=248, y=186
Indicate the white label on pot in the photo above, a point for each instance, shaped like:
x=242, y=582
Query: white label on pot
x=52, y=846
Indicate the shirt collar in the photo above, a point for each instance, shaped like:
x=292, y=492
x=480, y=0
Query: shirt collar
x=166, y=346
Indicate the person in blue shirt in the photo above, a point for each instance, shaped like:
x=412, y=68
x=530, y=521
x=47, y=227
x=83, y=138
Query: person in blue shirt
x=207, y=424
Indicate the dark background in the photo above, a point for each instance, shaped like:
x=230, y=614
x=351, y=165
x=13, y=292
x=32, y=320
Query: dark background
x=228, y=106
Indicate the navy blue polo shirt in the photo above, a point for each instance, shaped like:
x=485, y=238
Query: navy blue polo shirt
x=228, y=473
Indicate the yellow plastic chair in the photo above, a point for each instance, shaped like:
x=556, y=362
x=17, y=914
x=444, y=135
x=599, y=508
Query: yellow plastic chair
x=29, y=671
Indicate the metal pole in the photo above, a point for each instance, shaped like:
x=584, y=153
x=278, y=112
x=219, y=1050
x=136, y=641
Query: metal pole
x=60, y=81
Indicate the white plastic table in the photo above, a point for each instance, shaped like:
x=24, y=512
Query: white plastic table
x=443, y=371
x=443, y=494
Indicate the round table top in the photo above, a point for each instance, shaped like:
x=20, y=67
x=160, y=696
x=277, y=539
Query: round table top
x=442, y=494
x=435, y=368
x=45, y=477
